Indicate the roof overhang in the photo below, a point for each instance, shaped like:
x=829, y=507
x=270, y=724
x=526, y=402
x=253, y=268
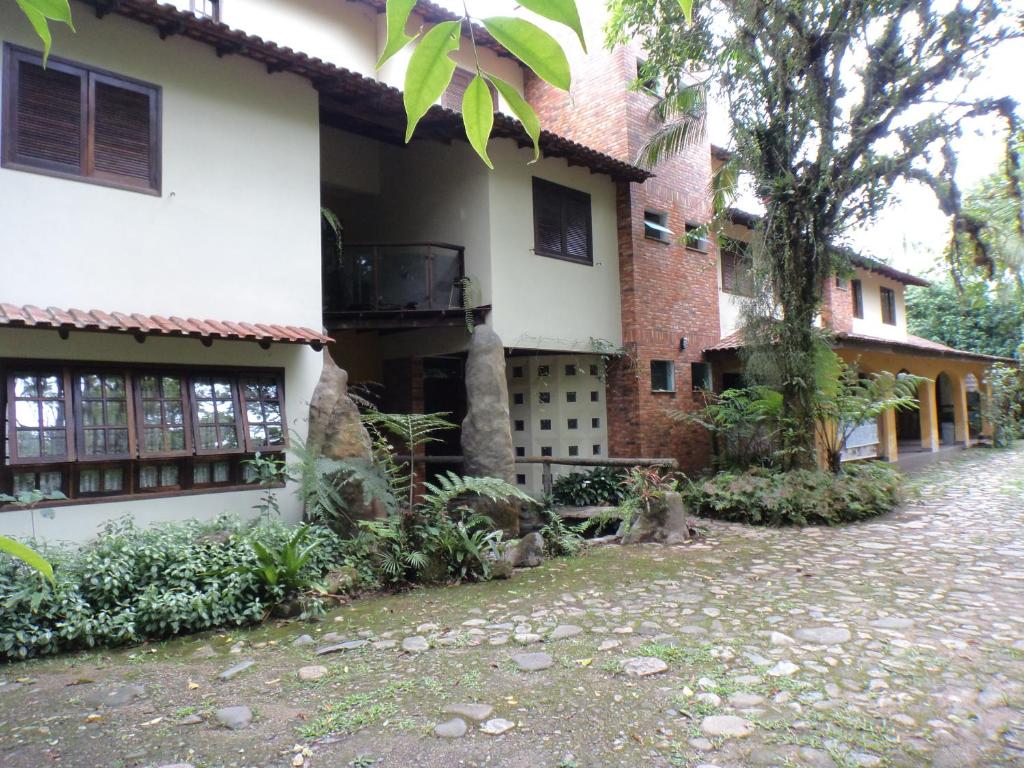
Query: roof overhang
x=916, y=346
x=142, y=326
x=349, y=98
x=432, y=13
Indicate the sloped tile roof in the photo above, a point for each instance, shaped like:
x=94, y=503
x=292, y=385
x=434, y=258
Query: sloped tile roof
x=734, y=342
x=30, y=316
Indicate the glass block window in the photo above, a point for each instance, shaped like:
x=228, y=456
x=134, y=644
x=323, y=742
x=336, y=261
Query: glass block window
x=162, y=414
x=570, y=397
x=574, y=450
x=595, y=423
x=545, y=424
x=593, y=370
x=595, y=397
x=570, y=369
x=546, y=450
x=543, y=370
x=544, y=397
x=574, y=423
x=517, y=372
x=596, y=449
x=520, y=479
x=520, y=451
x=518, y=398
x=520, y=425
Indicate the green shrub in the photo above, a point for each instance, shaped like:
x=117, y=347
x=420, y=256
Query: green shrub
x=133, y=584
x=797, y=497
x=589, y=489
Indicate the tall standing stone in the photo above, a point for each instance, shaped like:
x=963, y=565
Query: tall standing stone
x=486, y=431
x=337, y=432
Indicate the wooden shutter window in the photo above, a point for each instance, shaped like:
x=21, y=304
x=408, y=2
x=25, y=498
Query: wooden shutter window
x=71, y=121
x=45, y=110
x=456, y=90
x=123, y=131
x=562, y=223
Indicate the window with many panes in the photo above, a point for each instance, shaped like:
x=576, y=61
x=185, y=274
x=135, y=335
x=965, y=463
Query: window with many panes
x=104, y=430
x=562, y=226
x=71, y=120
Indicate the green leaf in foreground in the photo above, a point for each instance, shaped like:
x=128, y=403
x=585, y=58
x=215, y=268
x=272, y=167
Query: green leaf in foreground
x=430, y=70
x=478, y=116
x=522, y=110
x=397, y=17
x=563, y=11
x=27, y=555
x=39, y=12
x=687, y=6
x=534, y=47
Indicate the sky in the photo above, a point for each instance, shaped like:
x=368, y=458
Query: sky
x=912, y=232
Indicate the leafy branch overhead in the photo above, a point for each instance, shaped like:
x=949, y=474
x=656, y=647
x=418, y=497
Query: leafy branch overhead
x=41, y=12
x=431, y=67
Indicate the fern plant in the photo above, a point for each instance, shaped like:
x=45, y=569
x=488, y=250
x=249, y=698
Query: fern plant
x=413, y=430
x=450, y=487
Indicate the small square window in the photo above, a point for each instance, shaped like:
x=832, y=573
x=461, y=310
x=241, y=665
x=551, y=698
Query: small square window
x=656, y=227
x=842, y=283
x=545, y=450
x=518, y=398
x=594, y=370
x=545, y=424
x=521, y=479
x=574, y=450
x=544, y=397
x=663, y=376
x=596, y=450
x=595, y=423
x=517, y=371
x=520, y=425
x=520, y=451
x=543, y=370
x=574, y=423
x=570, y=397
x=700, y=374
x=570, y=370
x=696, y=237
x=595, y=397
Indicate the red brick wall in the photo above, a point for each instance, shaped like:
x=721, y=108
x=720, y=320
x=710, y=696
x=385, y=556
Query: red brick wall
x=837, y=306
x=669, y=292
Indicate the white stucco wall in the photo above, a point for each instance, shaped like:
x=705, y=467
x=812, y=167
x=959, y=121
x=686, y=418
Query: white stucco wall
x=872, y=324
x=240, y=198
x=79, y=522
x=235, y=234
x=540, y=302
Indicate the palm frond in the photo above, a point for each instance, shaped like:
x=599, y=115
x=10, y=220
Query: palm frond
x=683, y=118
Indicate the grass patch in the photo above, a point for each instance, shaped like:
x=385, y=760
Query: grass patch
x=356, y=711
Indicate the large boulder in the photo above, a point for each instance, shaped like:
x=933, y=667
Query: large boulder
x=666, y=522
x=486, y=431
x=337, y=432
x=528, y=552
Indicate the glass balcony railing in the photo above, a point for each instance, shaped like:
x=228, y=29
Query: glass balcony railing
x=394, y=277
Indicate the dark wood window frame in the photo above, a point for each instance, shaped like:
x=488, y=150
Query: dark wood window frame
x=857, y=297
x=75, y=462
x=86, y=171
x=887, y=297
x=547, y=191
x=733, y=281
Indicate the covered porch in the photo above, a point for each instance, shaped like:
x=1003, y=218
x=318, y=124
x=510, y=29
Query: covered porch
x=950, y=413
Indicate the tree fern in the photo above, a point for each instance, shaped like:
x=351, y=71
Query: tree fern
x=414, y=430
x=451, y=486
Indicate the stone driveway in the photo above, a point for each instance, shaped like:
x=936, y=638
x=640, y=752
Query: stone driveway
x=896, y=642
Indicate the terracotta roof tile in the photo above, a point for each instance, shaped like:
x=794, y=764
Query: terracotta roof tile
x=911, y=343
x=30, y=316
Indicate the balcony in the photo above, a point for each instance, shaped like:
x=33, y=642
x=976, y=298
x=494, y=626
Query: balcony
x=400, y=285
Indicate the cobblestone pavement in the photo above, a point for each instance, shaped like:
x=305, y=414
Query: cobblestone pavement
x=896, y=642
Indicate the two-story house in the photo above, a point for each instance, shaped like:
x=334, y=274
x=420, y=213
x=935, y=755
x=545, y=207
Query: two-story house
x=166, y=291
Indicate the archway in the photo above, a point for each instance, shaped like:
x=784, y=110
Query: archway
x=944, y=394
x=908, y=426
